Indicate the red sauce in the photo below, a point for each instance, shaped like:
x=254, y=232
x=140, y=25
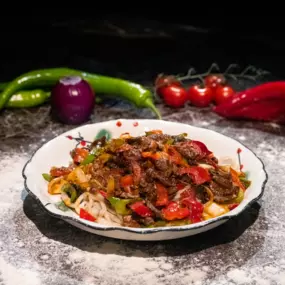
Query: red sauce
x=119, y=124
x=135, y=124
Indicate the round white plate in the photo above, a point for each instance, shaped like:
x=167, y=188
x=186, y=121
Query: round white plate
x=56, y=153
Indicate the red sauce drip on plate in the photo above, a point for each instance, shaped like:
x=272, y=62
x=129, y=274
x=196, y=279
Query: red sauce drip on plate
x=119, y=124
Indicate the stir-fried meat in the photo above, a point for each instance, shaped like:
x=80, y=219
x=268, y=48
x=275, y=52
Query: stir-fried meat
x=163, y=164
x=222, y=186
x=153, y=208
x=132, y=154
x=137, y=172
x=147, y=189
x=130, y=222
x=187, y=150
x=160, y=176
x=159, y=137
x=126, y=195
x=147, y=221
x=149, y=180
x=98, y=143
x=144, y=143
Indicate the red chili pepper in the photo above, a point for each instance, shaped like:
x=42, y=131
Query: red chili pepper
x=203, y=149
x=103, y=193
x=188, y=193
x=175, y=156
x=162, y=195
x=195, y=207
x=174, y=212
x=126, y=180
x=154, y=155
x=85, y=215
x=198, y=174
x=264, y=102
x=232, y=206
x=180, y=186
x=79, y=154
x=141, y=209
x=60, y=171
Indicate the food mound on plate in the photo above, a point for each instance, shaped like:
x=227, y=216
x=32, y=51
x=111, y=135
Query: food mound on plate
x=153, y=180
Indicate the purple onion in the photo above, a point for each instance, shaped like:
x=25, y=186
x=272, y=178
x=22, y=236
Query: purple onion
x=72, y=100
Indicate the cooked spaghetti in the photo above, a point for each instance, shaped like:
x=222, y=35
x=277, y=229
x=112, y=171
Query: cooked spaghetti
x=153, y=180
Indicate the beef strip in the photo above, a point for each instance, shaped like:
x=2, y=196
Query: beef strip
x=130, y=222
x=188, y=151
x=147, y=188
x=154, y=209
x=132, y=154
x=161, y=176
x=222, y=186
x=126, y=195
x=143, y=143
x=98, y=143
x=147, y=221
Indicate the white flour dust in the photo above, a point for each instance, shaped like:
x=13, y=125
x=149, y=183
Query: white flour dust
x=10, y=275
x=144, y=270
x=11, y=171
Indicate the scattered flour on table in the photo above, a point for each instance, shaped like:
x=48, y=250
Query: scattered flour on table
x=238, y=276
x=11, y=275
x=136, y=269
x=257, y=274
x=11, y=171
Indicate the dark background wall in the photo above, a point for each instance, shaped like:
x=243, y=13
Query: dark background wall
x=131, y=45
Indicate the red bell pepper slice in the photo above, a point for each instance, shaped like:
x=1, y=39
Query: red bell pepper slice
x=232, y=206
x=79, y=154
x=188, y=193
x=154, y=155
x=174, y=212
x=198, y=174
x=103, y=193
x=126, y=180
x=162, y=195
x=203, y=149
x=236, y=179
x=175, y=156
x=195, y=207
x=85, y=215
x=141, y=209
x=180, y=186
x=60, y=171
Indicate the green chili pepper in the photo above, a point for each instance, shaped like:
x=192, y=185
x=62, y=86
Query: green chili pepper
x=157, y=224
x=3, y=85
x=130, y=91
x=246, y=183
x=238, y=199
x=27, y=99
x=179, y=223
x=88, y=159
x=69, y=189
x=120, y=205
x=47, y=177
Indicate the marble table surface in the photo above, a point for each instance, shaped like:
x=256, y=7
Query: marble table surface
x=37, y=249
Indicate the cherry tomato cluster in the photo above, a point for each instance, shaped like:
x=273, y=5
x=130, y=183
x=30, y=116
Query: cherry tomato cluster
x=174, y=94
